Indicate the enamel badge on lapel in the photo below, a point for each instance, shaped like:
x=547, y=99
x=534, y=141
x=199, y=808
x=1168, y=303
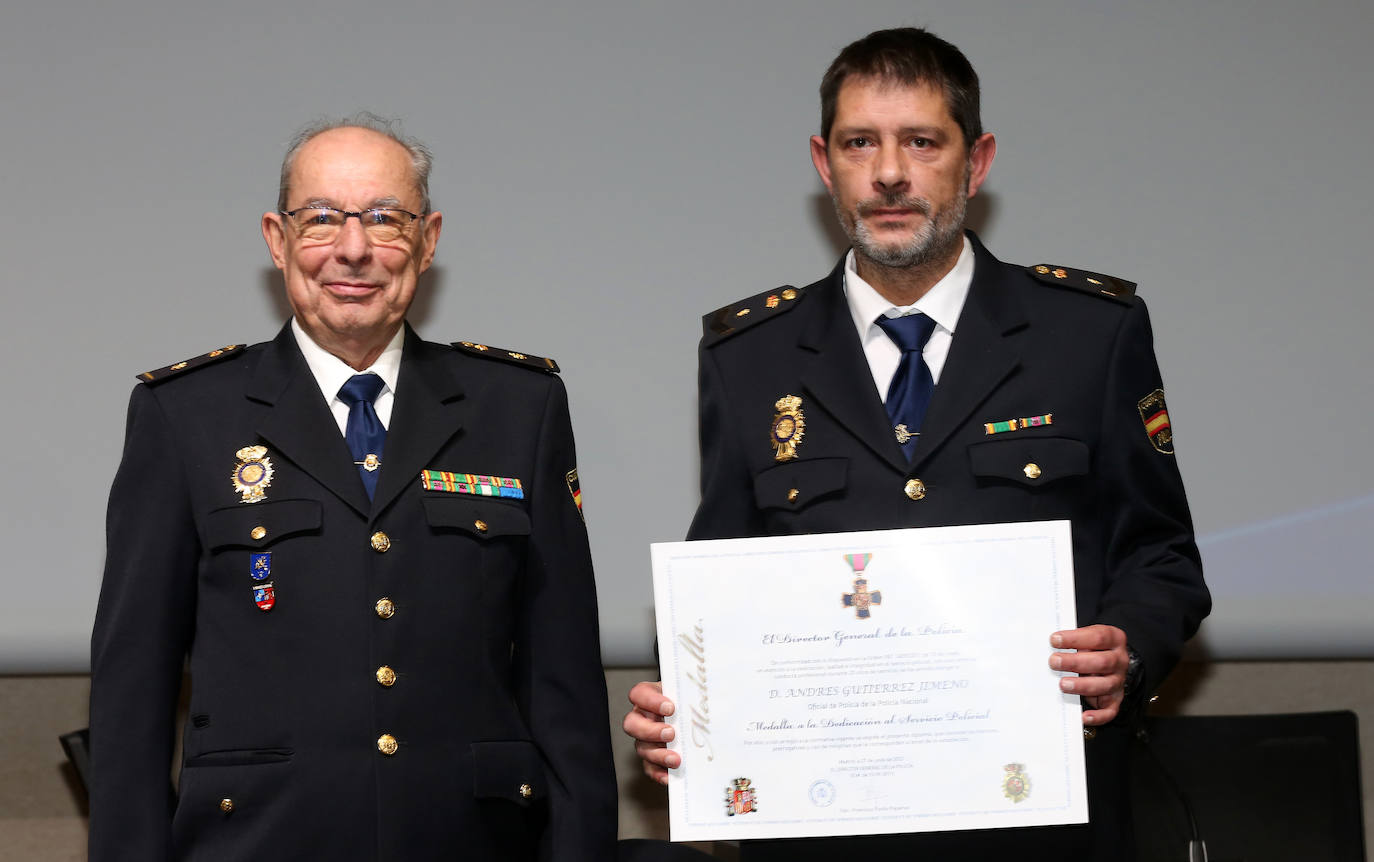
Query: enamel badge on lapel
x=1155, y=415
x=261, y=566
x=788, y=427
x=253, y=473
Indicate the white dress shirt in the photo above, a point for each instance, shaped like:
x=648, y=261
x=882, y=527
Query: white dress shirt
x=331, y=372
x=942, y=303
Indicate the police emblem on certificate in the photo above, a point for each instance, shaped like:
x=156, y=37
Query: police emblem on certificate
x=933, y=714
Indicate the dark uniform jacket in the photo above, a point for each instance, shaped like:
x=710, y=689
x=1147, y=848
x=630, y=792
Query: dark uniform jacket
x=483, y=608
x=1021, y=349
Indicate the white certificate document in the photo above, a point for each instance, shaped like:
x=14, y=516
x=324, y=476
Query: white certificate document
x=872, y=682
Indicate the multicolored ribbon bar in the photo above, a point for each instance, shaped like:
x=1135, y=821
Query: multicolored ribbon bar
x=471, y=483
x=1018, y=424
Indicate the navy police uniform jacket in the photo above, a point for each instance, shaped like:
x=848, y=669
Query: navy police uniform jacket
x=428, y=682
x=1022, y=349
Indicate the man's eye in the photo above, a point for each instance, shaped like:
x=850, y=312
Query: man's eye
x=386, y=217
x=921, y=143
x=858, y=143
x=319, y=217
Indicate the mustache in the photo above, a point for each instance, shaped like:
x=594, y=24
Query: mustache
x=894, y=200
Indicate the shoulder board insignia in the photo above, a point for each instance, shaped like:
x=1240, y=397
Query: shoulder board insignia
x=515, y=357
x=160, y=374
x=739, y=316
x=1089, y=282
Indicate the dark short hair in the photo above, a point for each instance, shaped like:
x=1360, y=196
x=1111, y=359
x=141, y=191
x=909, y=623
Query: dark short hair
x=909, y=56
x=421, y=161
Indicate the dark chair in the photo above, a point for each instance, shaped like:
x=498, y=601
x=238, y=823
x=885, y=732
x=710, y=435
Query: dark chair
x=1257, y=788
x=77, y=744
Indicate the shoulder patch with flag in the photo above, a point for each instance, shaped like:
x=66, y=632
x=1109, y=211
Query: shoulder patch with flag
x=575, y=489
x=1155, y=415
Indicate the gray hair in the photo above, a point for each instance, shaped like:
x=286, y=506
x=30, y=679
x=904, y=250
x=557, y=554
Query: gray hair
x=421, y=160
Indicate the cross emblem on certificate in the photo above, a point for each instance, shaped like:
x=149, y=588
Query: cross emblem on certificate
x=861, y=599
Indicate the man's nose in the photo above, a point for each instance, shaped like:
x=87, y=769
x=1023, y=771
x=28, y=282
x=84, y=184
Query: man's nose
x=352, y=244
x=890, y=172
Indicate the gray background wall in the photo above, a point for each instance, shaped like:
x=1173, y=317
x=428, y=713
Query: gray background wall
x=609, y=171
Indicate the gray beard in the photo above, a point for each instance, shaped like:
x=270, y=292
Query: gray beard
x=934, y=240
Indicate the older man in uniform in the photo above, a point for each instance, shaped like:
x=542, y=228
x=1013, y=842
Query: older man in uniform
x=938, y=386
x=371, y=549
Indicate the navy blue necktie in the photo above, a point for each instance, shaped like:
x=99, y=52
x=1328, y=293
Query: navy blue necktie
x=912, y=385
x=364, y=432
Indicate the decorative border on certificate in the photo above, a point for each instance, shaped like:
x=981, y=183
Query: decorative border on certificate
x=926, y=705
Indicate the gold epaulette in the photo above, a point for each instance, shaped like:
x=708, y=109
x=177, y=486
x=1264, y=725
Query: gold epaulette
x=160, y=374
x=515, y=357
x=1095, y=283
x=739, y=316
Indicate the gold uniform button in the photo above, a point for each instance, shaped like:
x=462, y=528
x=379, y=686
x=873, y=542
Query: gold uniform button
x=789, y=294
x=480, y=525
x=386, y=676
x=526, y=791
x=792, y=495
x=257, y=532
x=226, y=805
x=386, y=744
x=915, y=489
x=1090, y=733
x=386, y=608
x=380, y=542
x=1032, y=470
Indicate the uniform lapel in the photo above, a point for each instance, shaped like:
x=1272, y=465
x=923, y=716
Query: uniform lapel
x=984, y=353
x=299, y=424
x=837, y=374
x=427, y=412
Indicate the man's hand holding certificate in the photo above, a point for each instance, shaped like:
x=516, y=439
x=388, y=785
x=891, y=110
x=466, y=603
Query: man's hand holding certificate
x=850, y=683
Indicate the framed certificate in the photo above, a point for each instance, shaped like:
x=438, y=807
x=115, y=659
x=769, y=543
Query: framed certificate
x=870, y=682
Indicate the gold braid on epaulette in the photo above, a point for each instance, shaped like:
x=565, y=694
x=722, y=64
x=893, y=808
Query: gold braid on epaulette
x=1108, y=286
x=739, y=316
x=515, y=357
x=158, y=375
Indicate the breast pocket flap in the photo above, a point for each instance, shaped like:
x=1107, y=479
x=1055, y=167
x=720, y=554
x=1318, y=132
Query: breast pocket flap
x=795, y=484
x=1030, y=460
x=259, y=525
x=483, y=518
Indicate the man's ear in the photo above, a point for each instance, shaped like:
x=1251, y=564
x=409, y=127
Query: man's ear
x=434, y=224
x=274, y=233
x=820, y=157
x=980, y=161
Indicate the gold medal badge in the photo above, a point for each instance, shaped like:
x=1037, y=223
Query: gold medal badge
x=788, y=427
x=252, y=473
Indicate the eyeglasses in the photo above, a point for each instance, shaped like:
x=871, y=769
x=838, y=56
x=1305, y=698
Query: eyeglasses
x=322, y=224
